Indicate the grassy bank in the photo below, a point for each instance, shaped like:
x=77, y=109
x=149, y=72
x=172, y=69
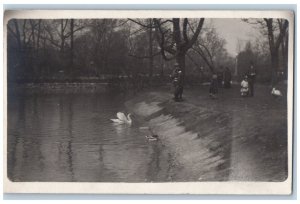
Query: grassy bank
x=230, y=138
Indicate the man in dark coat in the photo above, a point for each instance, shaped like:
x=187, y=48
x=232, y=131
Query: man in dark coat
x=220, y=76
x=177, y=78
x=251, y=73
x=213, y=88
x=227, y=78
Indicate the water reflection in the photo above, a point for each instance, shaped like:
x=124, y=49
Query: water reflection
x=70, y=138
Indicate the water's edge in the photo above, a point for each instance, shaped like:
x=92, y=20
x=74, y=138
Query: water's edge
x=213, y=144
x=197, y=155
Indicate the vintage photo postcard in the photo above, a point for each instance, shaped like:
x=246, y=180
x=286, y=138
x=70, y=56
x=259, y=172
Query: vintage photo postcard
x=148, y=102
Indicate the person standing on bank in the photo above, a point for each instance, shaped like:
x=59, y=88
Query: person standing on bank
x=177, y=78
x=213, y=87
x=251, y=79
x=220, y=77
x=180, y=84
x=227, y=78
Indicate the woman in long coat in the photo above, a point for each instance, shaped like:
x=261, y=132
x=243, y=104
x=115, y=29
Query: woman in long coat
x=227, y=78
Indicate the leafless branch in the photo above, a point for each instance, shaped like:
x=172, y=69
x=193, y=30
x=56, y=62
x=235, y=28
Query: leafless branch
x=64, y=26
x=138, y=30
x=201, y=53
x=75, y=30
x=192, y=60
x=12, y=32
x=160, y=35
x=141, y=24
x=51, y=40
x=196, y=34
x=143, y=57
x=184, y=31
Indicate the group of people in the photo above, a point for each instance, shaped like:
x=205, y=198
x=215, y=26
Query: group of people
x=247, y=84
x=221, y=79
x=224, y=79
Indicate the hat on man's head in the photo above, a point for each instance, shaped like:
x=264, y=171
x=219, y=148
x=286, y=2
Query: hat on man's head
x=176, y=64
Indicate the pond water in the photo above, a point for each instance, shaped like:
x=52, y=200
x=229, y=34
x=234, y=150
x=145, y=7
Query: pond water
x=69, y=137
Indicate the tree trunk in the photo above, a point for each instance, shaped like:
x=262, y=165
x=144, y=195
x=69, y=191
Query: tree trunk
x=275, y=65
x=62, y=37
x=285, y=55
x=24, y=33
x=162, y=64
x=150, y=51
x=38, y=36
x=32, y=24
x=72, y=47
x=273, y=51
x=180, y=58
x=18, y=34
x=62, y=45
x=274, y=46
x=38, y=47
x=33, y=56
x=62, y=48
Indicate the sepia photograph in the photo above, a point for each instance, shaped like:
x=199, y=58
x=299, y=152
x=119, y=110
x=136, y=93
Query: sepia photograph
x=149, y=97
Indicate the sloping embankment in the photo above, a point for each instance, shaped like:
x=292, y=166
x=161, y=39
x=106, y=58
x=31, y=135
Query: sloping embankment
x=231, y=138
x=198, y=138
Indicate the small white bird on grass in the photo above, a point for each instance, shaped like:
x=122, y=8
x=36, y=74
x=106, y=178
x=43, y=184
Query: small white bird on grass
x=276, y=92
x=122, y=119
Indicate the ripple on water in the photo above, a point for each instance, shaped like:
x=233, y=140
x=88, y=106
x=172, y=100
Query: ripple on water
x=69, y=137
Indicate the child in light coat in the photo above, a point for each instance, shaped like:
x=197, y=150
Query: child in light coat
x=245, y=86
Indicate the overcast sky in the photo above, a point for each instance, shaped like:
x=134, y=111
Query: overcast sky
x=232, y=30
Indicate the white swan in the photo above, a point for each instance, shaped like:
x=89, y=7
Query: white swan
x=276, y=92
x=122, y=119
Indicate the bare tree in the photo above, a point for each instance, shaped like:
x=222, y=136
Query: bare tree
x=146, y=29
x=71, y=44
x=173, y=37
x=22, y=32
x=15, y=32
x=151, y=57
x=274, y=43
x=275, y=30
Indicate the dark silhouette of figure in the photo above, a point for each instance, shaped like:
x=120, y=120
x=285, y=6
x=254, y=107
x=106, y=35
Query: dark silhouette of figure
x=220, y=76
x=180, y=85
x=213, y=88
x=251, y=73
x=177, y=78
x=227, y=78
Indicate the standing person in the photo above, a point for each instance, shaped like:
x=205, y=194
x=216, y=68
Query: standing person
x=180, y=84
x=213, y=88
x=245, y=86
x=220, y=76
x=177, y=78
x=251, y=79
x=227, y=78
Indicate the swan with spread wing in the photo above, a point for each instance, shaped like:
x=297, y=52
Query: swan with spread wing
x=122, y=119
